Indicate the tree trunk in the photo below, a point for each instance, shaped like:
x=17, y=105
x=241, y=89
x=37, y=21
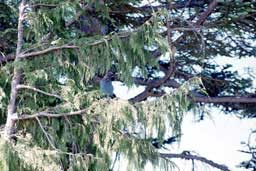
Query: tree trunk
x=12, y=106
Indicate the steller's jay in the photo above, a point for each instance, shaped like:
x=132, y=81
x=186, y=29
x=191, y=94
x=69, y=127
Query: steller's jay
x=106, y=86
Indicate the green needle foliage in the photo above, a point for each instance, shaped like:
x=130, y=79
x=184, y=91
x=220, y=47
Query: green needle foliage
x=72, y=43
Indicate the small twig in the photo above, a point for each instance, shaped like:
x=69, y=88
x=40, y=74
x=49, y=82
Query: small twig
x=43, y=5
x=46, y=134
x=58, y=150
x=45, y=51
x=51, y=115
x=38, y=90
x=193, y=165
x=116, y=157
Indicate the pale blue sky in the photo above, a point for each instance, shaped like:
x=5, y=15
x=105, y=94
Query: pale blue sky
x=217, y=138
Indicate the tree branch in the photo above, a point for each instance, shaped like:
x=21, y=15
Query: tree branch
x=206, y=13
x=45, y=51
x=146, y=93
x=150, y=8
x=168, y=83
x=6, y=59
x=72, y=21
x=46, y=134
x=43, y=5
x=49, y=138
x=39, y=91
x=188, y=156
x=224, y=99
x=50, y=115
x=153, y=84
x=196, y=98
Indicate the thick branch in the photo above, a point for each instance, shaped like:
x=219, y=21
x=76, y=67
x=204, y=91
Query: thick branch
x=39, y=91
x=197, y=98
x=168, y=83
x=188, y=156
x=169, y=73
x=153, y=84
x=206, y=13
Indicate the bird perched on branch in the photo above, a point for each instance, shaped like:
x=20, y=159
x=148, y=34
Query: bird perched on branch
x=106, y=86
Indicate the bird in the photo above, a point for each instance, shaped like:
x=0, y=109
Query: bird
x=106, y=86
x=159, y=144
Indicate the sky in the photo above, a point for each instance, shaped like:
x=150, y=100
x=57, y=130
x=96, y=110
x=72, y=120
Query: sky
x=217, y=137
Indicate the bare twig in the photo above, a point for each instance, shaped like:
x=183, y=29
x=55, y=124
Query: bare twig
x=39, y=91
x=49, y=139
x=46, y=134
x=43, y=5
x=116, y=157
x=45, y=51
x=51, y=115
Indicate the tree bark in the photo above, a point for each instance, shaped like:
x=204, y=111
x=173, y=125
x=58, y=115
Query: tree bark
x=12, y=106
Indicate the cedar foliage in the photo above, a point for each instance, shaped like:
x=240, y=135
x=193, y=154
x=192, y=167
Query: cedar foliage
x=120, y=35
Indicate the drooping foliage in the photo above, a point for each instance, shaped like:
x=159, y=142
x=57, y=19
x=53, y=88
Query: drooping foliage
x=90, y=38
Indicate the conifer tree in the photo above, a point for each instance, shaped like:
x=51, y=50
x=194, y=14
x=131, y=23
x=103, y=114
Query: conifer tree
x=54, y=53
